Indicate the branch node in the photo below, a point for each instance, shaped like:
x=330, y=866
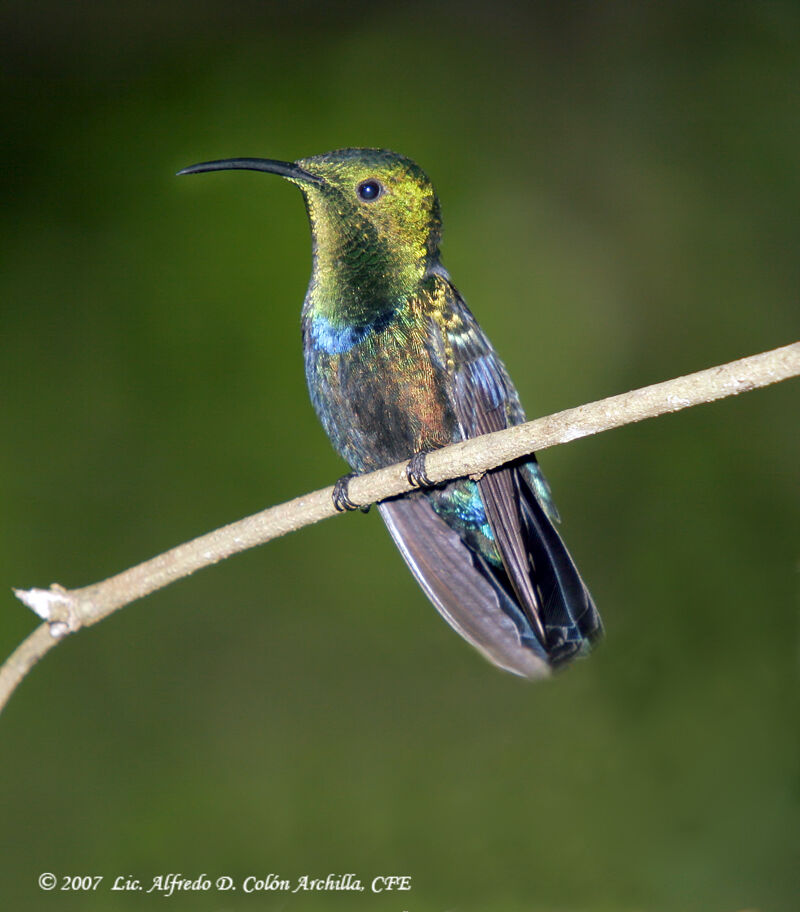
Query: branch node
x=54, y=605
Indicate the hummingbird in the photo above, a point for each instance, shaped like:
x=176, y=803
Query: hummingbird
x=397, y=366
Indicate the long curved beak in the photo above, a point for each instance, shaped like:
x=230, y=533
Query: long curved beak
x=285, y=169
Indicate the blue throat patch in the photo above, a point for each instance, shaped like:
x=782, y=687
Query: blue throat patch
x=336, y=340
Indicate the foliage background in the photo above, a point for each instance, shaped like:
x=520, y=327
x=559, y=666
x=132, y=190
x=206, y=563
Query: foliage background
x=621, y=194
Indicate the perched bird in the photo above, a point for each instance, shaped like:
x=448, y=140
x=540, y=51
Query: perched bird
x=397, y=366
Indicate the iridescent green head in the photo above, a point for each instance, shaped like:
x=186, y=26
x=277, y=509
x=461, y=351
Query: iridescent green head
x=374, y=216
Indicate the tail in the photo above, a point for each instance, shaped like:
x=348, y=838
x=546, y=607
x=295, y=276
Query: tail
x=571, y=621
x=477, y=599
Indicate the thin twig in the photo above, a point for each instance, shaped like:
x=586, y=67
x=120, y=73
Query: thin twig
x=66, y=611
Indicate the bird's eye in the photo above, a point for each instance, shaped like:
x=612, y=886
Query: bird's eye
x=369, y=190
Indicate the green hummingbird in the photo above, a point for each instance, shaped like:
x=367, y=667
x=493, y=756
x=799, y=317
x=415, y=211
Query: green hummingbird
x=398, y=366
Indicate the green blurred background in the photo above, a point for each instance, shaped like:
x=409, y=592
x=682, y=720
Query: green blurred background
x=620, y=187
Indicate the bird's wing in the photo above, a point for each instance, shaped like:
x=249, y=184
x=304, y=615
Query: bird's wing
x=481, y=396
x=528, y=611
x=450, y=573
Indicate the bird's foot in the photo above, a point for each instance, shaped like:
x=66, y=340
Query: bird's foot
x=415, y=471
x=341, y=498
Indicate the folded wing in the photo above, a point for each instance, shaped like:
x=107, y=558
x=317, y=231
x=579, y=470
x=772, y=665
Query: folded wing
x=522, y=603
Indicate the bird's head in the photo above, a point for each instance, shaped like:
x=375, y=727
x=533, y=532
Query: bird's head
x=374, y=215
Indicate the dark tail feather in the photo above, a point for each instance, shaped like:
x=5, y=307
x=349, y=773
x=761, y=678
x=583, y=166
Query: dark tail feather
x=569, y=617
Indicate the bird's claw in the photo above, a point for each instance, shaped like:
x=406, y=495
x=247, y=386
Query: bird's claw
x=415, y=471
x=341, y=498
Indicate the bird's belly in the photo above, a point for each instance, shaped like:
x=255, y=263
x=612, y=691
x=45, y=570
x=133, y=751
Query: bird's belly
x=380, y=402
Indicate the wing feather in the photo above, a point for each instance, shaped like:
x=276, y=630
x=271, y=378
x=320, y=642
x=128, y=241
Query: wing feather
x=482, y=394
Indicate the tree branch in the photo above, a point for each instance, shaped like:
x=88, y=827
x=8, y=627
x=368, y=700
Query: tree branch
x=66, y=611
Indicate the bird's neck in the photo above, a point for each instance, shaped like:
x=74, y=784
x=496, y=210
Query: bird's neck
x=362, y=272
x=350, y=288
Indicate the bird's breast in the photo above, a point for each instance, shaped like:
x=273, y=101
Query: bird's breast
x=376, y=389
